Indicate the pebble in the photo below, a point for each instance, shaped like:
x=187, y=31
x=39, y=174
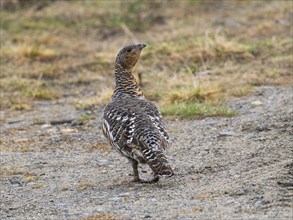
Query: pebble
x=260, y=201
x=75, y=122
x=45, y=126
x=256, y=103
x=115, y=198
x=101, y=162
x=260, y=128
x=208, y=122
x=226, y=133
x=30, y=183
x=68, y=130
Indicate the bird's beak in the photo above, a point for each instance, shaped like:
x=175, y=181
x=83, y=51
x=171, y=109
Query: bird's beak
x=141, y=46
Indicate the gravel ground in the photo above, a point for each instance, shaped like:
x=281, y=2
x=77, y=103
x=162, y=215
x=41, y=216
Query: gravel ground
x=226, y=168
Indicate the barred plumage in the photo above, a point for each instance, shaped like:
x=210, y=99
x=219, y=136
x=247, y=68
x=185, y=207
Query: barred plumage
x=133, y=125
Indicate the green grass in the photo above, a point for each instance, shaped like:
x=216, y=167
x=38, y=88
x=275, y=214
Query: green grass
x=195, y=110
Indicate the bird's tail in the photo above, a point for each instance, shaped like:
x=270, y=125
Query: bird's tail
x=158, y=162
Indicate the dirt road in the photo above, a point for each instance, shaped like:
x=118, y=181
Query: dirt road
x=226, y=168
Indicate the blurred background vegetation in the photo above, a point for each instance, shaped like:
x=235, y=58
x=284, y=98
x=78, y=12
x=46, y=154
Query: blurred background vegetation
x=200, y=53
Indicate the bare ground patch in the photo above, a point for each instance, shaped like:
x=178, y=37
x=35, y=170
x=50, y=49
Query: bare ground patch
x=237, y=167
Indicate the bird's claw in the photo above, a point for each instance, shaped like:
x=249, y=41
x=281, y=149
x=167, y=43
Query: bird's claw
x=139, y=180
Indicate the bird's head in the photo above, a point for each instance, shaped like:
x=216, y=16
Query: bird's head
x=128, y=56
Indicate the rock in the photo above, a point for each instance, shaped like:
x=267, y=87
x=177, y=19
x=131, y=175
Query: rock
x=127, y=194
x=115, y=198
x=68, y=130
x=30, y=183
x=101, y=162
x=226, y=133
x=208, y=121
x=259, y=201
x=256, y=103
x=45, y=126
x=261, y=128
x=76, y=122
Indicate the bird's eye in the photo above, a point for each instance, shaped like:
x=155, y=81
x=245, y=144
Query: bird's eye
x=129, y=50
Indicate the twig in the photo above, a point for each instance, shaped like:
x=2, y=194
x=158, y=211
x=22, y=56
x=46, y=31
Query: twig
x=54, y=122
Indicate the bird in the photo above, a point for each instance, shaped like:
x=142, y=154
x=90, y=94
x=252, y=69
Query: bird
x=132, y=124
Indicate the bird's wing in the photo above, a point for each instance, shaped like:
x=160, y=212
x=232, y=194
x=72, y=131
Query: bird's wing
x=154, y=114
x=118, y=127
x=125, y=124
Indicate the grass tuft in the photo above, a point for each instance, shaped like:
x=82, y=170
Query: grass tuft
x=241, y=91
x=195, y=110
x=36, y=52
x=29, y=179
x=191, y=95
x=37, y=186
x=85, y=184
x=102, y=98
x=43, y=93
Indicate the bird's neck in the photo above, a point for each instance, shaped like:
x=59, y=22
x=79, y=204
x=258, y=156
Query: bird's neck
x=126, y=83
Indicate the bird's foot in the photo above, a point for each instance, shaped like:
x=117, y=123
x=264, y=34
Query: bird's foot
x=139, y=180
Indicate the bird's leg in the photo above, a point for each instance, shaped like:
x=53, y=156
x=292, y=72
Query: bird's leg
x=154, y=180
x=134, y=164
x=137, y=179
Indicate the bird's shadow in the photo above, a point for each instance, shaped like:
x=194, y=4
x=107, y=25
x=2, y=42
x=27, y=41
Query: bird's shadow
x=163, y=183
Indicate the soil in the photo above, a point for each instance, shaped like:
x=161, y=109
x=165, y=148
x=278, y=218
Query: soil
x=226, y=168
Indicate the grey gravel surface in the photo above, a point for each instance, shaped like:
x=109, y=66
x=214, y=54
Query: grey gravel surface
x=226, y=168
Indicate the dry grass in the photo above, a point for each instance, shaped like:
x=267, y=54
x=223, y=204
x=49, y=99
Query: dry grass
x=199, y=52
x=19, y=144
x=84, y=184
x=37, y=186
x=100, y=146
x=13, y=170
x=29, y=179
x=102, y=98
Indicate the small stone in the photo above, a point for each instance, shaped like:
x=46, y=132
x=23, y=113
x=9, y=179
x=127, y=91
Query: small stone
x=13, y=208
x=75, y=122
x=127, y=194
x=209, y=122
x=226, y=133
x=256, y=103
x=45, y=126
x=260, y=201
x=115, y=198
x=101, y=162
x=147, y=216
x=68, y=130
x=261, y=128
x=30, y=183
